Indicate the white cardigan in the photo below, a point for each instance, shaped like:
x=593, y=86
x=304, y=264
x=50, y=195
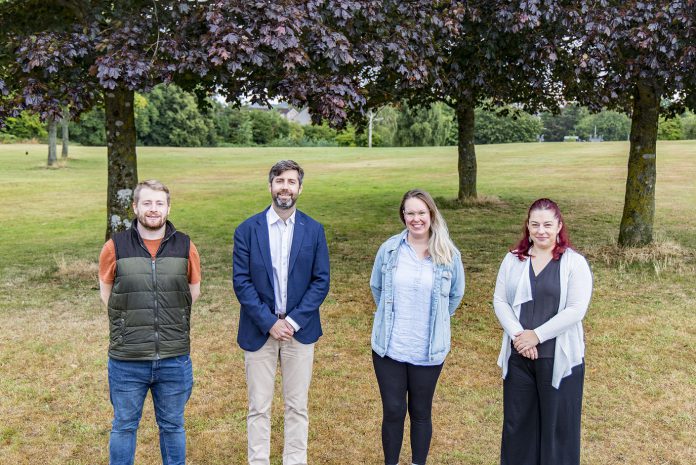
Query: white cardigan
x=513, y=288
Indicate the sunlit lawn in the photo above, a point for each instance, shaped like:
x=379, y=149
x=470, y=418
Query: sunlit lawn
x=640, y=387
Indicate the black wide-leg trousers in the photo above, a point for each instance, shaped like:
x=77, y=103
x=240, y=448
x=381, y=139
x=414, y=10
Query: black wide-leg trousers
x=404, y=386
x=541, y=424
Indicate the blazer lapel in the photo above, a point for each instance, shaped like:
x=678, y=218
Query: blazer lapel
x=264, y=244
x=298, y=235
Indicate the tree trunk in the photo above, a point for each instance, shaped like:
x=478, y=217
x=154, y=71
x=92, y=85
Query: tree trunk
x=64, y=125
x=639, y=205
x=467, y=153
x=122, y=160
x=52, y=130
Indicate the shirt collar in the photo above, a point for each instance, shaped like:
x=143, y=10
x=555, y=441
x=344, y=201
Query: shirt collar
x=272, y=217
x=410, y=249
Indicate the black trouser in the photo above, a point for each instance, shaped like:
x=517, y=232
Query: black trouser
x=396, y=380
x=541, y=424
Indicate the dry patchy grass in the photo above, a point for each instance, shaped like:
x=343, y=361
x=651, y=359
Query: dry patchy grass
x=640, y=390
x=481, y=201
x=658, y=257
x=80, y=269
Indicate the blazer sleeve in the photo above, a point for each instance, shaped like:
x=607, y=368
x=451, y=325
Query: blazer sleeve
x=247, y=295
x=319, y=283
x=503, y=310
x=577, y=301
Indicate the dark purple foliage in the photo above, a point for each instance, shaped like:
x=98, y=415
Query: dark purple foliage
x=478, y=52
x=617, y=44
x=308, y=52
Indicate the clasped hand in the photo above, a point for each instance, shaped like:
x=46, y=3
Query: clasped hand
x=282, y=331
x=525, y=343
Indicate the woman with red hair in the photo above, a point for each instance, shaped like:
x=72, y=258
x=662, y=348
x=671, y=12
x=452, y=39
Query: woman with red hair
x=541, y=296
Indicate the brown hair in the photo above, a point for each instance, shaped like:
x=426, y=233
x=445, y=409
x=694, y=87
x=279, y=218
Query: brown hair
x=152, y=184
x=283, y=166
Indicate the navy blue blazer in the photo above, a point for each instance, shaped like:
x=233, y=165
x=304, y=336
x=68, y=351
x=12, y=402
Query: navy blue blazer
x=252, y=277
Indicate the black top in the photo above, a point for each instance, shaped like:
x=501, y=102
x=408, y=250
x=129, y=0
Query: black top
x=546, y=295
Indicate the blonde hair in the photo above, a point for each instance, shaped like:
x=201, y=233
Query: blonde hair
x=440, y=246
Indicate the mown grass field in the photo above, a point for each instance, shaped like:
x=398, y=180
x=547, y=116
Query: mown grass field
x=640, y=386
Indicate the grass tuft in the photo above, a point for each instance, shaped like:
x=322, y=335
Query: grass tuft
x=658, y=257
x=75, y=269
x=482, y=201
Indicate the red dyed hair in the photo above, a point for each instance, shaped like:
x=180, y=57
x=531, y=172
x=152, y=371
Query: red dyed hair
x=521, y=249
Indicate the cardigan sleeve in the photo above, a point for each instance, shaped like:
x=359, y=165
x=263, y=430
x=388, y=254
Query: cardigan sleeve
x=577, y=300
x=503, y=310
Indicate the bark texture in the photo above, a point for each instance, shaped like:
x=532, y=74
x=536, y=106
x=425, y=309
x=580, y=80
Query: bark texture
x=467, y=153
x=65, y=136
x=52, y=129
x=121, y=156
x=639, y=205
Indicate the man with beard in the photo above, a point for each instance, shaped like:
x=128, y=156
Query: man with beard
x=281, y=277
x=149, y=276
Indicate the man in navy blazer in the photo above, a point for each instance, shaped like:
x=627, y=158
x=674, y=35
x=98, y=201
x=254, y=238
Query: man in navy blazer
x=280, y=277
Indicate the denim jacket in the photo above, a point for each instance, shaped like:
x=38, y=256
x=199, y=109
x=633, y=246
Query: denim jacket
x=448, y=290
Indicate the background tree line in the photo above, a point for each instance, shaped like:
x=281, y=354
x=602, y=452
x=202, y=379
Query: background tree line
x=346, y=59
x=170, y=116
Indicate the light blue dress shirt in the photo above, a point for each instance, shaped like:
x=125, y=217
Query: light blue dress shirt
x=280, y=240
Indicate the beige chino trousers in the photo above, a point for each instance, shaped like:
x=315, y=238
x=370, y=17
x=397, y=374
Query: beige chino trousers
x=296, y=361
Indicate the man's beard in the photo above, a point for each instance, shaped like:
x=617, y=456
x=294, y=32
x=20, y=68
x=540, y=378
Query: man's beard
x=143, y=221
x=283, y=203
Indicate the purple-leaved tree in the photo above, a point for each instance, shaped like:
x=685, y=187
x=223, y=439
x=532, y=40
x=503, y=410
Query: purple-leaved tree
x=632, y=56
x=77, y=53
x=467, y=54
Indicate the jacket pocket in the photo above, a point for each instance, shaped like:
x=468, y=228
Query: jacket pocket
x=443, y=333
x=118, y=327
x=378, y=336
x=446, y=283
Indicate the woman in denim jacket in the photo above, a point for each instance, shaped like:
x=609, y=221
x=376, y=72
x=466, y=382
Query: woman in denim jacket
x=417, y=283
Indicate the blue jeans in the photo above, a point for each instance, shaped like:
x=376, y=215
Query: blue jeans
x=171, y=382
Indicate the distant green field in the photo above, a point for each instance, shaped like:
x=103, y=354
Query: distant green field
x=640, y=386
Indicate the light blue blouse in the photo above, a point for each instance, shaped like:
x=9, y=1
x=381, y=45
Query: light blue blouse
x=413, y=286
